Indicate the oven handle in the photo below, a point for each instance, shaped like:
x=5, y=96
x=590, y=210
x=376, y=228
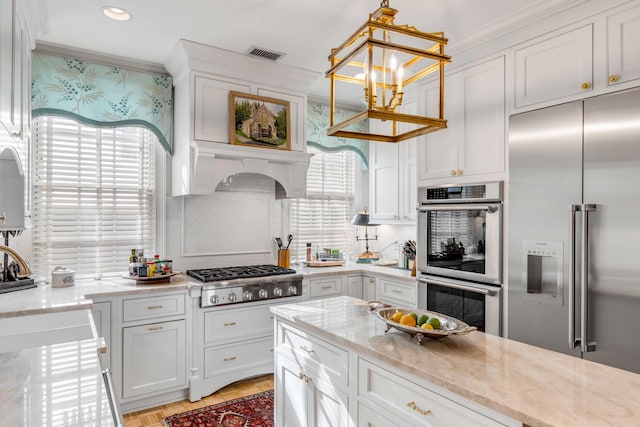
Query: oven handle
x=469, y=207
x=459, y=286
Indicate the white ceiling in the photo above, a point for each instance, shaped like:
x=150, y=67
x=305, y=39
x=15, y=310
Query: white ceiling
x=305, y=30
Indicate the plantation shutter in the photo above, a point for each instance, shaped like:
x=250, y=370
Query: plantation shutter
x=94, y=197
x=323, y=217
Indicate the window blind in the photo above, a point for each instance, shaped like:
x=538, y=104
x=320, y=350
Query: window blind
x=323, y=217
x=94, y=197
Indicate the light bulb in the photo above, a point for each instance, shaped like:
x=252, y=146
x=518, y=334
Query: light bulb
x=400, y=74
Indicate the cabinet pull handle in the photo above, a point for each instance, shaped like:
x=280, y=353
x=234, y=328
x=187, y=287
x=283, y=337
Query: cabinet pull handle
x=372, y=280
x=307, y=349
x=395, y=291
x=271, y=317
x=453, y=172
x=154, y=307
x=585, y=85
x=271, y=350
x=459, y=172
x=301, y=375
x=229, y=359
x=17, y=134
x=155, y=328
x=3, y=217
x=325, y=287
x=230, y=324
x=613, y=78
x=413, y=406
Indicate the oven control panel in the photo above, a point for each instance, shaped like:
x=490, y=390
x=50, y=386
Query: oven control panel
x=224, y=295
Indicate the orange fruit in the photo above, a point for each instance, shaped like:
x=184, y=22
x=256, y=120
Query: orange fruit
x=407, y=320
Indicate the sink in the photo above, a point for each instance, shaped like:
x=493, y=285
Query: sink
x=36, y=330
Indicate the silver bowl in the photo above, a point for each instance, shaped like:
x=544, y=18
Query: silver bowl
x=448, y=325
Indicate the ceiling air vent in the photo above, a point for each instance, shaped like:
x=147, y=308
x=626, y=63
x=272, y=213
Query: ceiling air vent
x=263, y=53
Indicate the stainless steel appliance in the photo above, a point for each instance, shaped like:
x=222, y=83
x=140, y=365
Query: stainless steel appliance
x=574, y=229
x=234, y=285
x=460, y=232
x=475, y=304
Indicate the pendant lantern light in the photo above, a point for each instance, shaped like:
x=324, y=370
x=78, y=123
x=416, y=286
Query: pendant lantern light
x=384, y=58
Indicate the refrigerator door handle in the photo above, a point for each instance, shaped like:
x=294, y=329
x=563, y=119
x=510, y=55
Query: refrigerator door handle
x=585, y=345
x=573, y=343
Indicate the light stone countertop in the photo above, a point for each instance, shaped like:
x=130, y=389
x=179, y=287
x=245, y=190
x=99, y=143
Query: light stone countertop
x=534, y=385
x=56, y=386
x=355, y=268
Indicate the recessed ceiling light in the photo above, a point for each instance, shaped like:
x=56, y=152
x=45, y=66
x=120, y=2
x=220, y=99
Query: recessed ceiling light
x=116, y=13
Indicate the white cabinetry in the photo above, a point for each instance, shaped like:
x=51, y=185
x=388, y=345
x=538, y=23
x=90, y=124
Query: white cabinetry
x=473, y=145
x=412, y=404
x=396, y=292
x=623, y=49
x=368, y=288
x=234, y=342
x=355, y=286
x=393, y=191
x=555, y=67
x=322, y=287
x=311, y=381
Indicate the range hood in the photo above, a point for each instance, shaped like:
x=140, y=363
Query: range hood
x=203, y=155
x=213, y=163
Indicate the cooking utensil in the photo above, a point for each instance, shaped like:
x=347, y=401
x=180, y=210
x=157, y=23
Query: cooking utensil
x=278, y=242
x=289, y=240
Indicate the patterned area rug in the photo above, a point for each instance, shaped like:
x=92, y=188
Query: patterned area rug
x=250, y=411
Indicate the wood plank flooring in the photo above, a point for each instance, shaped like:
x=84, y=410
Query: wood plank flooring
x=153, y=417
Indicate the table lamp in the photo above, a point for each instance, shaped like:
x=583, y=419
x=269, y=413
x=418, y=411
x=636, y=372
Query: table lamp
x=362, y=219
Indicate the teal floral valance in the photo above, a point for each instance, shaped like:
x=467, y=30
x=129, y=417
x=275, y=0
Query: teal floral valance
x=103, y=95
x=318, y=118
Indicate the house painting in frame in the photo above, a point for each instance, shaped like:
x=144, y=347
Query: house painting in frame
x=259, y=121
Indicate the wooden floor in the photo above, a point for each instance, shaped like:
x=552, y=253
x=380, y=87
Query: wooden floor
x=153, y=417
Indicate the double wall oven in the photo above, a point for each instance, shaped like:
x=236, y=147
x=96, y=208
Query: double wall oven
x=459, y=257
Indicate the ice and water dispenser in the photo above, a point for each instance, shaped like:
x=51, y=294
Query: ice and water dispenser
x=542, y=270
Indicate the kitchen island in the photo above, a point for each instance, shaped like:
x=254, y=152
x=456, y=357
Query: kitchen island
x=486, y=380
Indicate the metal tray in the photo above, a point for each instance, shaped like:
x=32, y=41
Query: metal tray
x=449, y=325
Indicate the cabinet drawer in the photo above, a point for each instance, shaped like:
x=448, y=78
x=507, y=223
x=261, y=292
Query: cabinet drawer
x=152, y=307
x=316, y=357
x=236, y=323
x=403, y=293
x=393, y=394
x=246, y=355
x=322, y=288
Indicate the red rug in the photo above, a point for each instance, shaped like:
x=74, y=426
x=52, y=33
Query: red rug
x=250, y=411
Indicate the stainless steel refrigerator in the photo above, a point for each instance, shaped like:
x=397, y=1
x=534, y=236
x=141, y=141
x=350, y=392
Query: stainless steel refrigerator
x=574, y=229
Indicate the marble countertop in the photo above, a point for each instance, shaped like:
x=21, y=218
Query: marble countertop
x=57, y=386
x=534, y=385
x=354, y=268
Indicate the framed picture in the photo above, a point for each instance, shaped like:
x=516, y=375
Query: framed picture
x=259, y=121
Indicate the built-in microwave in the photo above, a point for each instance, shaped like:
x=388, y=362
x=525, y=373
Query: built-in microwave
x=460, y=232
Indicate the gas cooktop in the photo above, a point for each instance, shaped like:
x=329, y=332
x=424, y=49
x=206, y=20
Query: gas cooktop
x=242, y=272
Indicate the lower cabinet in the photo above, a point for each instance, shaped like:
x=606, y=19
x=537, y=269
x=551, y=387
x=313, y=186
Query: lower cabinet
x=320, y=383
x=355, y=286
x=369, y=288
x=153, y=357
x=396, y=293
x=102, y=318
x=323, y=287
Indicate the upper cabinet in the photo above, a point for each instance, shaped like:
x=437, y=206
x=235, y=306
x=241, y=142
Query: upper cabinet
x=203, y=156
x=393, y=177
x=623, y=49
x=473, y=145
x=554, y=68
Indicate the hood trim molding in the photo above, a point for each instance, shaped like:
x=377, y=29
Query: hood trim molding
x=214, y=162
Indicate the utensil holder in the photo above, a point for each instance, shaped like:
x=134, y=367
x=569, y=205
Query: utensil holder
x=284, y=256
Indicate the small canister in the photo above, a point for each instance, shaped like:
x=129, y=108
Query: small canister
x=61, y=277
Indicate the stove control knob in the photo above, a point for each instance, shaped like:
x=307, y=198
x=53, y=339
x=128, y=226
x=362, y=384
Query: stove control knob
x=214, y=299
x=263, y=293
x=247, y=295
x=293, y=290
x=231, y=297
x=277, y=291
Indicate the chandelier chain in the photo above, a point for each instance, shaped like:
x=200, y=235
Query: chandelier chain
x=384, y=3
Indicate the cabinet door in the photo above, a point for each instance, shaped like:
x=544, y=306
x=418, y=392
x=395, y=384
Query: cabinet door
x=369, y=418
x=481, y=148
x=383, y=181
x=408, y=180
x=211, y=109
x=437, y=151
x=623, y=50
x=102, y=318
x=153, y=358
x=368, y=288
x=290, y=394
x=397, y=293
x=329, y=406
x=10, y=66
x=354, y=286
x=325, y=287
x=538, y=77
